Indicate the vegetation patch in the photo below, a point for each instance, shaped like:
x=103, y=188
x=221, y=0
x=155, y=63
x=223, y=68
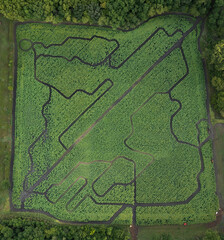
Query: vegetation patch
x=111, y=126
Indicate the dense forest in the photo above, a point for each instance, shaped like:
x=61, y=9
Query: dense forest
x=27, y=229
x=117, y=13
x=214, y=54
x=128, y=14
x=20, y=228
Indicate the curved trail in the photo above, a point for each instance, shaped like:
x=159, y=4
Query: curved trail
x=30, y=190
x=176, y=45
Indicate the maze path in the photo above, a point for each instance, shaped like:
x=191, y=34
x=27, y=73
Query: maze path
x=28, y=191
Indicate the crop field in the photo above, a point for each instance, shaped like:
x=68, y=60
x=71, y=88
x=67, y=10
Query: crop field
x=112, y=126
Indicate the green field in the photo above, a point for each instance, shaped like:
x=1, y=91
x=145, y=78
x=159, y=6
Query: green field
x=175, y=232
x=111, y=126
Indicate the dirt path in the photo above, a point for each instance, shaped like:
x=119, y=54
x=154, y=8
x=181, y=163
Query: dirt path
x=133, y=229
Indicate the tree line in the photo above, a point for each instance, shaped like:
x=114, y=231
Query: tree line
x=214, y=54
x=117, y=13
x=30, y=229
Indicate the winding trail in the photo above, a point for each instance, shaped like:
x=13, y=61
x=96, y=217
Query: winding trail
x=27, y=191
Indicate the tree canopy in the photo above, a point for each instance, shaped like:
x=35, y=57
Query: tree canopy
x=117, y=13
x=20, y=228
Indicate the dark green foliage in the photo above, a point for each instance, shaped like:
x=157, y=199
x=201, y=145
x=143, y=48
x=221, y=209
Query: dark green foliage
x=211, y=235
x=218, y=83
x=19, y=228
x=94, y=11
x=217, y=57
x=213, y=51
x=216, y=19
x=121, y=13
x=162, y=236
x=220, y=102
x=165, y=236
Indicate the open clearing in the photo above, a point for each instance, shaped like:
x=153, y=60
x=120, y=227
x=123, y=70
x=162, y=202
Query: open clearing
x=111, y=126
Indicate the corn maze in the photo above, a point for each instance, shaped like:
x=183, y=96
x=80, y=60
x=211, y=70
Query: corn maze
x=112, y=126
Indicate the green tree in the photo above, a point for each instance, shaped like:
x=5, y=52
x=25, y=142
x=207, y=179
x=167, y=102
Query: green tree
x=218, y=83
x=211, y=235
x=218, y=56
x=220, y=103
x=7, y=232
x=94, y=11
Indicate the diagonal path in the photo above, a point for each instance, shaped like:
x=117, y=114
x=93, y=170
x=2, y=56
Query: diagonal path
x=175, y=46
